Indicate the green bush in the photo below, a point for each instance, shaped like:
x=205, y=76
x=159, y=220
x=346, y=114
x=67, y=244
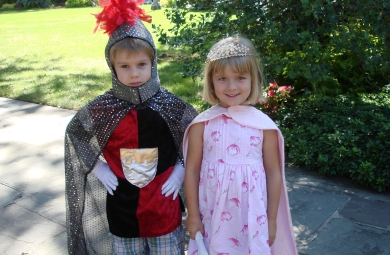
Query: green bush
x=167, y=3
x=34, y=3
x=2, y=2
x=58, y=2
x=201, y=4
x=78, y=3
x=276, y=97
x=8, y=6
x=329, y=47
x=343, y=135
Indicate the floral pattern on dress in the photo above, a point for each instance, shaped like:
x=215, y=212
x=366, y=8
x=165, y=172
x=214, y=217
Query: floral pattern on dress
x=234, y=202
x=211, y=173
x=224, y=119
x=215, y=135
x=234, y=242
x=233, y=150
x=255, y=140
x=233, y=190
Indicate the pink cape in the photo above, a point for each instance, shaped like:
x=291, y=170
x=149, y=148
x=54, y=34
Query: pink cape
x=285, y=242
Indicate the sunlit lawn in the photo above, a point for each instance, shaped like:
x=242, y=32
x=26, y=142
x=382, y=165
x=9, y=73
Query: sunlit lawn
x=53, y=57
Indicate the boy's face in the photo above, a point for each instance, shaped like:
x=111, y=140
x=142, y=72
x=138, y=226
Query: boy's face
x=132, y=69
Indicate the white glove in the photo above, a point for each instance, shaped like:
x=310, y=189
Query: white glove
x=103, y=172
x=199, y=242
x=174, y=182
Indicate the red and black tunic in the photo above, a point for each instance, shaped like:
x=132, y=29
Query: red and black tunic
x=132, y=211
x=142, y=212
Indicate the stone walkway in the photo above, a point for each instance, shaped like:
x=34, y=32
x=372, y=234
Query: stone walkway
x=330, y=215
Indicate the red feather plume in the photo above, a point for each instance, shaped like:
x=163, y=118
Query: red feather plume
x=115, y=12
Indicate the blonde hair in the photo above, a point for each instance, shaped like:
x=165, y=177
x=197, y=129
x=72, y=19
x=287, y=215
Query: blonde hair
x=241, y=64
x=131, y=45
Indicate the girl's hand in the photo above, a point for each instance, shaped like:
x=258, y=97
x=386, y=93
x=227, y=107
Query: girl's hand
x=271, y=232
x=194, y=224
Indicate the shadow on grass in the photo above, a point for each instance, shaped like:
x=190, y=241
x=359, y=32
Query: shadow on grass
x=49, y=84
x=171, y=77
x=22, y=10
x=35, y=9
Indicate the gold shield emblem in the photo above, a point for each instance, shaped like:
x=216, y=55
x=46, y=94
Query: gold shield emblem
x=139, y=165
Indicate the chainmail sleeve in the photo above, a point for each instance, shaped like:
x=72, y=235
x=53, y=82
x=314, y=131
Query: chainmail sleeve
x=85, y=138
x=77, y=165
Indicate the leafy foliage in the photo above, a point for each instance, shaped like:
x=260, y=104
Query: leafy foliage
x=276, y=98
x=7, y=7
x=167, y=3
x=78, y=3
x=329, y=47
x=2, y=2
x=343, y=135
x=34, y=3
x=201, y=105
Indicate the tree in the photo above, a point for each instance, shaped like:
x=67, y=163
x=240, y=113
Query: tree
x=327, y=46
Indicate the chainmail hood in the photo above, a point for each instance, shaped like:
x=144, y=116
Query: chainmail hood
x=135, y=95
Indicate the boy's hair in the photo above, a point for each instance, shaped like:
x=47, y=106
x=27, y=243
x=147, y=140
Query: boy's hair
x=131, y=45
x=250, y=63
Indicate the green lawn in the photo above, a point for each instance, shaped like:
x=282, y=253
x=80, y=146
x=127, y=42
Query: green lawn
x=53, y=57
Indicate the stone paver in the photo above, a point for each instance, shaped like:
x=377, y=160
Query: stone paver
x=330, y=215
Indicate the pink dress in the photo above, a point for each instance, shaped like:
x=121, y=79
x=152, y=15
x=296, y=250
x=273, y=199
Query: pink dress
x=232, y=187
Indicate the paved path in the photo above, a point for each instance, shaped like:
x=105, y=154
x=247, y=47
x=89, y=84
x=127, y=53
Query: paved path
x=330, y=216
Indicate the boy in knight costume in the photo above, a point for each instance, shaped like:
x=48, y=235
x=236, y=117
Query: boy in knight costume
x=123, y=150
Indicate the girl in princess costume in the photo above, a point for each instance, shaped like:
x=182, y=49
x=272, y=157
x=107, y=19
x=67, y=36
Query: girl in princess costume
x=234, y=183
x=123, y=150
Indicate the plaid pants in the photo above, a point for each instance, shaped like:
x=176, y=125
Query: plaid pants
x=169, y=244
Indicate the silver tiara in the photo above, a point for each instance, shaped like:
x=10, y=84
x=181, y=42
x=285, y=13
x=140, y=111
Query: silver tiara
x=228, y=50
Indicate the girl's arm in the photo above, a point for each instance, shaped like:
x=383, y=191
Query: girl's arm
x=274, y=179
x=191, y=179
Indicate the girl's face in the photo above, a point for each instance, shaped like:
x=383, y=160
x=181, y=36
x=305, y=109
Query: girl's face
x=232, y=88
x=132, y=69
